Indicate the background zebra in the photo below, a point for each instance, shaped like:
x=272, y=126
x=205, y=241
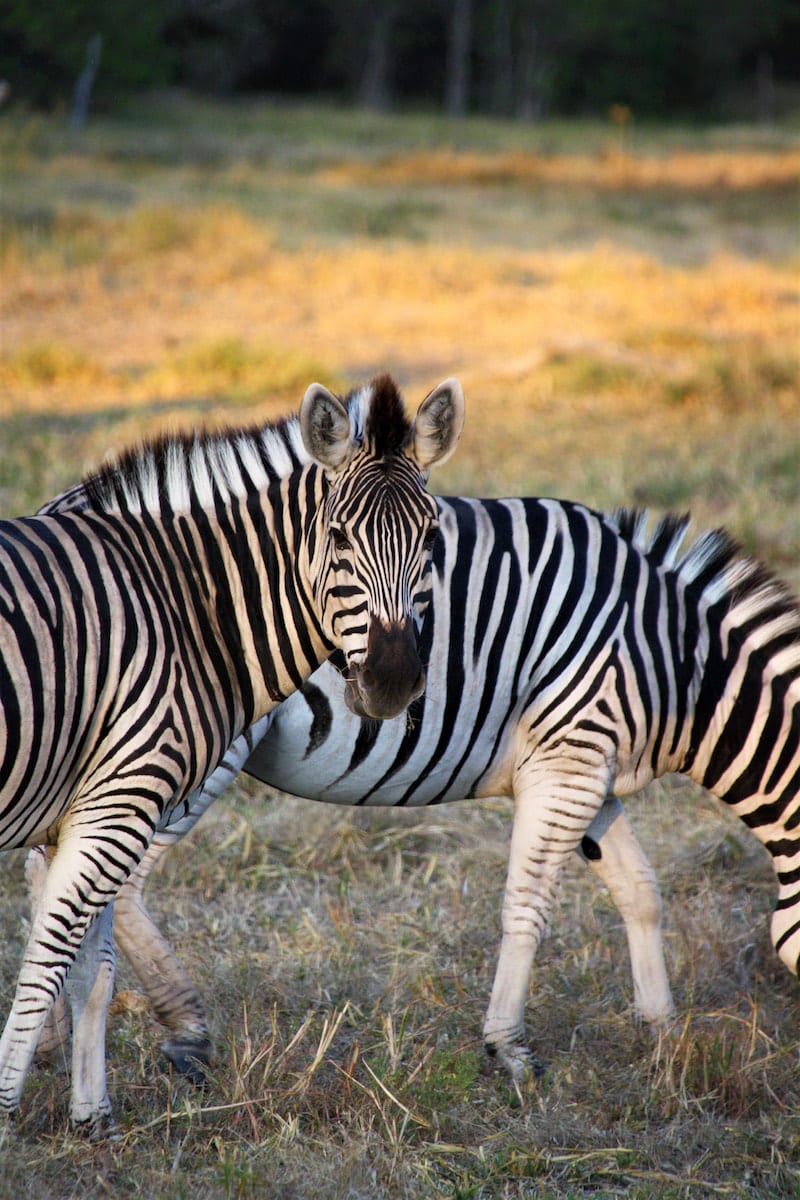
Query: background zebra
x=200, y=584
x=568, y=654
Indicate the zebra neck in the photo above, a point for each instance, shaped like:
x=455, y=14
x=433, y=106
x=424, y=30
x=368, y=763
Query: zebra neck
x=251, y=595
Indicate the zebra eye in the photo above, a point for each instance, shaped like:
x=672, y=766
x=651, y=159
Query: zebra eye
x=340, y=541
x=430, y=537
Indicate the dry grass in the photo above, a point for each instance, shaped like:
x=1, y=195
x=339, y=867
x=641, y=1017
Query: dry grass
x=624, y=316
x=614, y=168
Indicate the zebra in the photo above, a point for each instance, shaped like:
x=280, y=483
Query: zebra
x=200, y=582
x=571, y=655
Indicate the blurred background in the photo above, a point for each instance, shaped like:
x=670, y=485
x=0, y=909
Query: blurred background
x=524, y=58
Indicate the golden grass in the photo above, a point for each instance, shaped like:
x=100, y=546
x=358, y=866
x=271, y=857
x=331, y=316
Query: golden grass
x=498, y=317
x=613, y=168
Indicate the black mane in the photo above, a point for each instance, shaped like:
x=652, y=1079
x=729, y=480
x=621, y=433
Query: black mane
x=387, y=424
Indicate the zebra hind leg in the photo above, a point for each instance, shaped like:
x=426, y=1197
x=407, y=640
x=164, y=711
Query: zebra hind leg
x=553, y=808
x=611, y=849
x=173, y=996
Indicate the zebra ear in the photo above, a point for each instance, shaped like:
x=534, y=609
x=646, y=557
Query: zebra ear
x=325, y=428
x=438, y=425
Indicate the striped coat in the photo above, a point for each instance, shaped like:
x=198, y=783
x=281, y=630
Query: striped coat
x=569, y=654
x=198, y=586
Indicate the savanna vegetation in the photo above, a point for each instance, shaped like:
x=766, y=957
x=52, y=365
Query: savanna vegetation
x=621, y=305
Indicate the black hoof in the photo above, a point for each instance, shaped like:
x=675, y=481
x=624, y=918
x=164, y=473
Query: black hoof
x=538, y=1068
x=190, y=1057
x=98, y=1129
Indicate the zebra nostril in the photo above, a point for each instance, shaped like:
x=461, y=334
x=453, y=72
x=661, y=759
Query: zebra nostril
x=366, y=678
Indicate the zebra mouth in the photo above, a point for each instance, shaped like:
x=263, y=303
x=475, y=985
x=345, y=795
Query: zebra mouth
x=352, y=698
x=383, y=703
x=390, y=676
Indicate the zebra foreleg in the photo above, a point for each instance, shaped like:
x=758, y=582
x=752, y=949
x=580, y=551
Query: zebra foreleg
x=553, y=809
x=89, y=986
x=85, y=998
x=82, y=880
x=611, y=849
x=173, y=996
x=54, y=1044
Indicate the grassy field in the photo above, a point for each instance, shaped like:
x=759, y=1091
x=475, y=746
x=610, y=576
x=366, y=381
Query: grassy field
x=622, y=305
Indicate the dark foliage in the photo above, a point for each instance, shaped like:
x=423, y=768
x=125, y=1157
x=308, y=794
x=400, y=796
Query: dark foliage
x=523, y=57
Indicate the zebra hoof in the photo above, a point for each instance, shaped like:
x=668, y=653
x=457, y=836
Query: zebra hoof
x=100, y=1128
x=521, y=1063
x=190, y=1057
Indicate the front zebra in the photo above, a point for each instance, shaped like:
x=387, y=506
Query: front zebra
x=201, y=583
x=568, y=654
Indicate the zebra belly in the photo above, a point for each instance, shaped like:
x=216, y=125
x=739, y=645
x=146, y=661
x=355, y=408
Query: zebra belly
x=316, y=748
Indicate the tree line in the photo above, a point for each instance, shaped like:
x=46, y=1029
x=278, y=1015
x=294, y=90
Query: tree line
x=529, y=58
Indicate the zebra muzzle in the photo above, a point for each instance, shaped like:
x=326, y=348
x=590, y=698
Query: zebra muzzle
x=391, y=675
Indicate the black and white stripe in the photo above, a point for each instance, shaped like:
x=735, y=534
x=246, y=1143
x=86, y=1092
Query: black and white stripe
x=196, y=586
x=570, y=655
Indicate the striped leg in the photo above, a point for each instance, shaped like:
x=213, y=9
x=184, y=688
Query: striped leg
x=89, y=986
x=613, y=852
x=785, y=921
x=175, y=999
x=553, y=809
x=96, y=957
x=99, y=845
x=88, y=994
x=55, y=1040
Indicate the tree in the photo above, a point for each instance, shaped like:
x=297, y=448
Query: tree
x=459, y=44
x=375, y=88
x=43, y=46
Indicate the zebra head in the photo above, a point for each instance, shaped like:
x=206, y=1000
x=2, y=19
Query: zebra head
x=371, y=567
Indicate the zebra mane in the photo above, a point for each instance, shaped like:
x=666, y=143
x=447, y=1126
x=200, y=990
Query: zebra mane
x=179, y=472
x=380, y=416
x=761, y=606
x=662, y=547
x=198, y=470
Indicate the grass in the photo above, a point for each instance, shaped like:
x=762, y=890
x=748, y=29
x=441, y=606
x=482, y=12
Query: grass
x=624, y=317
